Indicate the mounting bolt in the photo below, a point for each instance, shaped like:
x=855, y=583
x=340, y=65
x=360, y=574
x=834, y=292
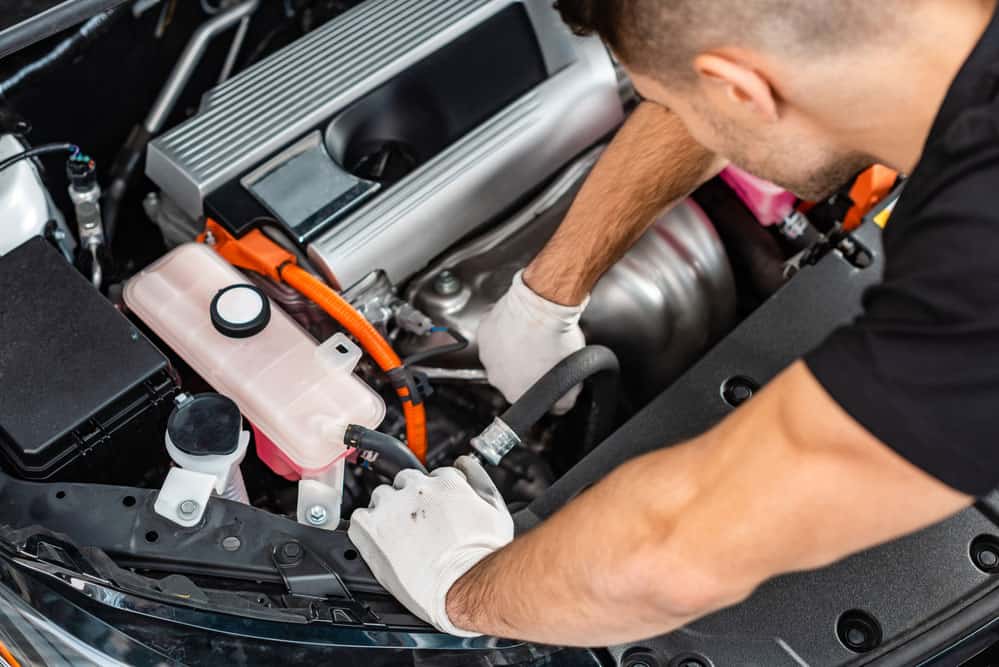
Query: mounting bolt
x=985, y=553
x=640, y=657
x=738, y=390
x=290, y=553
x=188, y=508
x=859, y=631
x=447, y=284
x=316, y=515
x=231, y=543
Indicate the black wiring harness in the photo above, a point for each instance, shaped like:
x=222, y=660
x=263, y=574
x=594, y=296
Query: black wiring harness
x=44, y=149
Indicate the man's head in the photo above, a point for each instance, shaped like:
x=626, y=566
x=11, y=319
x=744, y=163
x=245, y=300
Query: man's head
x=779, y=87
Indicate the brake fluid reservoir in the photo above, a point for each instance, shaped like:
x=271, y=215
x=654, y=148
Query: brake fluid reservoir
x=298, y=394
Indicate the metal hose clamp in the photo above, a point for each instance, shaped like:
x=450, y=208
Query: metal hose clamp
x=495, y=441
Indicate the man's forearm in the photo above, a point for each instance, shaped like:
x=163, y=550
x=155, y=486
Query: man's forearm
x=786, y=483
x=651, y=164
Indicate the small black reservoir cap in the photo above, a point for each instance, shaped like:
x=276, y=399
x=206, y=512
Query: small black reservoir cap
x=208, y=424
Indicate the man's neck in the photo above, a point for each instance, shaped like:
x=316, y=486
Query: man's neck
x=916, y=84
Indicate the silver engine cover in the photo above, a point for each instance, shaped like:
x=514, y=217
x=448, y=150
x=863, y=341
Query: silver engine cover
x=307, y=84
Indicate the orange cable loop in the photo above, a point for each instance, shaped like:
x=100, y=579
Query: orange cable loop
x=8, y=656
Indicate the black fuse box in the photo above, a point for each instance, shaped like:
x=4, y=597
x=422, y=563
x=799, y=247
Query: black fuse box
x=84, y=396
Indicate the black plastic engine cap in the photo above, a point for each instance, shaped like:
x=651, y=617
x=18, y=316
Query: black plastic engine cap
x=208, y=424
x=240, y=311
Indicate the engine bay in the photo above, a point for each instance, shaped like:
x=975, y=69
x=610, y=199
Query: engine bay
x=259, y=301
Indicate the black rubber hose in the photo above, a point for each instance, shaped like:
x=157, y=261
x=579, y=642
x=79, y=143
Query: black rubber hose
x=123, y=171
x=459, y=344
x=63, y=52
x=386, y=446
x=44, y=149
x=595, y=363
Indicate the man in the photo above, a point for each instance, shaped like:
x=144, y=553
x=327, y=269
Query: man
x=886, y=428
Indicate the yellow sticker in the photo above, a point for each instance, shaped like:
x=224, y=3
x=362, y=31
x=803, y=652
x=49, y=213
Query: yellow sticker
x=881, y=219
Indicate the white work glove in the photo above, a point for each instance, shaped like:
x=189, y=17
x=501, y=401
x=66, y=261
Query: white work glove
x=524, y=336
x=421, y=534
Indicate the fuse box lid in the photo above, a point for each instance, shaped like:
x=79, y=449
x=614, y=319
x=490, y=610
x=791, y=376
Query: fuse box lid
x=66, y=354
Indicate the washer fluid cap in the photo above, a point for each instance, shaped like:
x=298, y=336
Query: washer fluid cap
x=206, y=425
x=240, y=311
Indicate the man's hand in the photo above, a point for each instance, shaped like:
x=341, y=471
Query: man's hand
x=524, y=336
x=424, y=532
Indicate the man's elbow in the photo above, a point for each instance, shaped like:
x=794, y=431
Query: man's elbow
x=690, y=595
x=680, y=589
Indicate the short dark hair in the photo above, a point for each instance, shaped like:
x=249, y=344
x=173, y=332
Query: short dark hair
x=653, y=36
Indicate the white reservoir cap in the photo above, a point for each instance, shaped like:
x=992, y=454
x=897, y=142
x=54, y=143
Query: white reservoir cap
x=240, y=311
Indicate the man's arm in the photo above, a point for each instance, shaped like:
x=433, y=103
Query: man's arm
x=788, y=482
x=652, y=163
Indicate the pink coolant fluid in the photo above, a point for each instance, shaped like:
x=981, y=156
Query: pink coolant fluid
x=770, y=203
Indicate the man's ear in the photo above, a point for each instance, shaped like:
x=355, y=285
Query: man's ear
x=741, y=84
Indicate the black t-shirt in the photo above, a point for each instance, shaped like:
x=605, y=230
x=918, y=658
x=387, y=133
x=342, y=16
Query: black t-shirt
x=920, y=368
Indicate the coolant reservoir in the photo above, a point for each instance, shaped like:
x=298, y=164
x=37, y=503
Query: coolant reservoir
x=300, y=395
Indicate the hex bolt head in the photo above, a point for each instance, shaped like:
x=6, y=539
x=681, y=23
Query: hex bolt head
x=188, y=509
x=447, y=284
x=316, y=515
x=231, y=543
x=290, y=553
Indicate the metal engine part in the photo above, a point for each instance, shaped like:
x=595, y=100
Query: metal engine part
x=662, y=305
x=313, y=83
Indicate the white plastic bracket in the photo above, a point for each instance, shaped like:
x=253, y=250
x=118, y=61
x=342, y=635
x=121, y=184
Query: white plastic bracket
x=184, y=496
x=319, y=498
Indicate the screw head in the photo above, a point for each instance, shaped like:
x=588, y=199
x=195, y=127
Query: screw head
x=316, y=515
x=188, y=508
x=447, y=284
x=231, y=543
